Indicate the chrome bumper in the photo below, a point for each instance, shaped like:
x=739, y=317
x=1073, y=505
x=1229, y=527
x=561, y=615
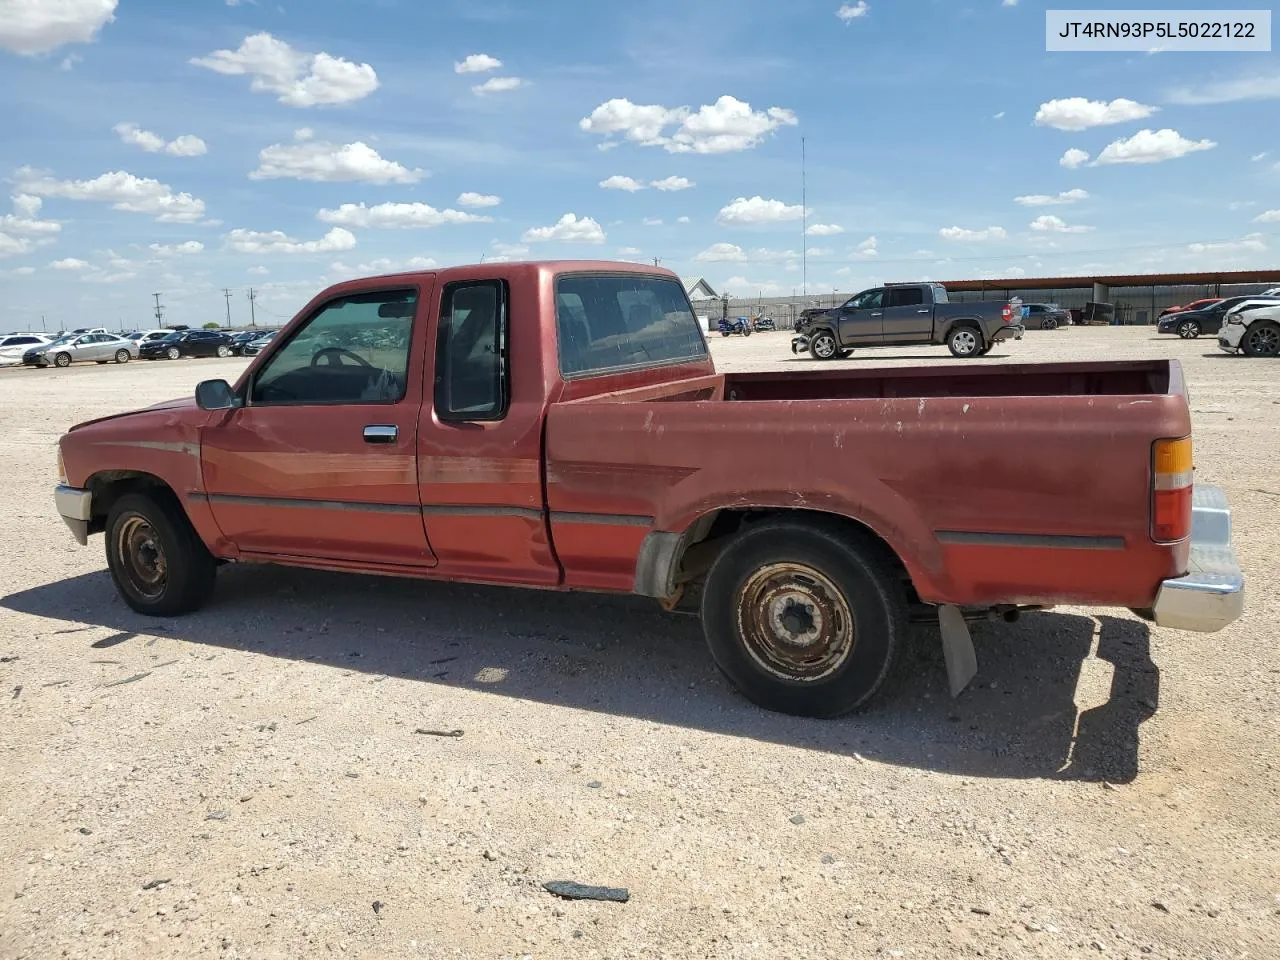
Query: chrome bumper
x=76, y=508
x=1211, y=595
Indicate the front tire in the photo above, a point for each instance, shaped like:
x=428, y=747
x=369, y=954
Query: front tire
x=62, y=360
x=823, y=346
x=157, y=561
x=1189, y=330
x=122, y=356
x=803, y=620
x=1262, y=339
x=965, y=342
x=172, y=353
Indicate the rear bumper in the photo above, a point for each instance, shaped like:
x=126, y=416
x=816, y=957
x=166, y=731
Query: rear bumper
x=1211, y=595
x=76, y=508
x=1009, y=331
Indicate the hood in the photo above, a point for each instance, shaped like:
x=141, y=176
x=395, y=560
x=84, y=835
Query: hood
x=187, y=403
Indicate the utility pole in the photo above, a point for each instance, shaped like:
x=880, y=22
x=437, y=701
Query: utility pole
x=159, y=310
x=657, y=261
x=253, y=295
x=43, y=326
x=227, y=293
x=804, y=224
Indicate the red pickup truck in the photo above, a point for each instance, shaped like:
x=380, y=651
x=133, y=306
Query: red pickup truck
x=561, y=425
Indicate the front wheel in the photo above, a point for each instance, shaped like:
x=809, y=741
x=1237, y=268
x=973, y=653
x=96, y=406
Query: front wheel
x=964, y=342
x=172, y=353
x=62, y=360
x=803, y=619
x=122, y=356
x=1262, y=339
x=746, y=331
x=823, y=346
x=1189, y=330
x=158, y=563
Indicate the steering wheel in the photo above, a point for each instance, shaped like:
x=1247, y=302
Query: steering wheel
x=332, y=357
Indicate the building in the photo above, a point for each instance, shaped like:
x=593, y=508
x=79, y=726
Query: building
x=698, y=289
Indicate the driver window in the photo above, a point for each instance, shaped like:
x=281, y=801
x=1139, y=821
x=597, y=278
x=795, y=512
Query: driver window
x=871, y=300
x=354, y=350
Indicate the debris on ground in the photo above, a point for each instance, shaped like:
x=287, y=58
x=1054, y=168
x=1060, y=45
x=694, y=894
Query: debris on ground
x=438, y=733
x=569, y=890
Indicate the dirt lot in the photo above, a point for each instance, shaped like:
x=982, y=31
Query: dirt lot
x=248, y=782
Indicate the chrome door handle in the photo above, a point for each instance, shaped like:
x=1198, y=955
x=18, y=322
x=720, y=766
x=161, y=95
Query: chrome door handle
x=877, y=314
x=922, y=311
x=381, y=433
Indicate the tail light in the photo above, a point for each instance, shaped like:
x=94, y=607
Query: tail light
x=1172, y=480
x=1006, y=315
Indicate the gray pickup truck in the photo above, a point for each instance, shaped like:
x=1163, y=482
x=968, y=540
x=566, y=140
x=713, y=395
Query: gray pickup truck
x=901, y=314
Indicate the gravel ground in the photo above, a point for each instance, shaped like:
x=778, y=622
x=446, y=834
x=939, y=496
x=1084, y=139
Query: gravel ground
x=251, y=781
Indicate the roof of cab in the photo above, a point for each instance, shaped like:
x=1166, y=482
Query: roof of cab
x=498, y=268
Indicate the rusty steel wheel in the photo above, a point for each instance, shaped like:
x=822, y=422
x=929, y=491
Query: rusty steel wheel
x=794, y=622
x=140, y=556
x=805, y=615
x=158, y=563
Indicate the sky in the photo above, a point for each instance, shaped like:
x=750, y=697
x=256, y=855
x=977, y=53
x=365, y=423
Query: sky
x=193, y=148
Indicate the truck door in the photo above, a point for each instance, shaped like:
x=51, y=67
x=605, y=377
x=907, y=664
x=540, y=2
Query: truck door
x=908, y=316
x=862, y=319
x=480, y=435
x=320, y=462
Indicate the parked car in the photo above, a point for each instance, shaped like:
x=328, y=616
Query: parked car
x=910, y=313
x=1193, y=305
x=74, y=348
x=763, y=323
x=1045, y=316
x=241, y=339
x=1252, y=327
x=146, y=336
x=258, y=344
x=1190, y=324
x=542, y=452
x=187, y=343
x=13, y=346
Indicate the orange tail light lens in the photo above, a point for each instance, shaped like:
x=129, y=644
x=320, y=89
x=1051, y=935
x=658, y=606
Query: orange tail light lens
x=1172, y=481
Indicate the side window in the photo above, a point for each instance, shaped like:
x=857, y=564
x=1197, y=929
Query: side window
x=1036, y=308
x=906, y=297
x=471, y=352
x=352, y=350
x=871, y=300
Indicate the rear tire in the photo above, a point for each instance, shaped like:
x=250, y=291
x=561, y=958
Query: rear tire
x=156, y=559
x=823, y=346
x=122, y=356
x=803, y=620
x=1262, y=339
x=1189, y=329
x=1050, y=324
x=965, y=342
x=224, y=351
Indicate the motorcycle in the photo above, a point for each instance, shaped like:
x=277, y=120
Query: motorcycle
x=738, y=325
x=763, y=323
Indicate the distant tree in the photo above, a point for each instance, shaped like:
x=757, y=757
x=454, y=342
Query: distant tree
x=212, y=325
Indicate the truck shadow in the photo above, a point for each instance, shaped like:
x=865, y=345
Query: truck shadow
x=625, y=656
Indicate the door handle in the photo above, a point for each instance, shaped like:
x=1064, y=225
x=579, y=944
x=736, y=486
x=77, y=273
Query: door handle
x=381, y=433
x=877, y=314
x=922, y=311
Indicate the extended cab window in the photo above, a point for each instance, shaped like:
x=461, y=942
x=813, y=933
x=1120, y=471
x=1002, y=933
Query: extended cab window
x=906, y=297
x=616, y=322
x=471, y=356
x=353, y=350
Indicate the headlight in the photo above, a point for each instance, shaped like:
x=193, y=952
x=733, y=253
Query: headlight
x=1235, y=318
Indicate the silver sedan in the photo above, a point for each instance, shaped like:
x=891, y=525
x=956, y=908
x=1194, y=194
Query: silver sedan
x=100, y=347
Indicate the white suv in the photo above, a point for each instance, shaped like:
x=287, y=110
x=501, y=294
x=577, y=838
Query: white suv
x=1252, y=326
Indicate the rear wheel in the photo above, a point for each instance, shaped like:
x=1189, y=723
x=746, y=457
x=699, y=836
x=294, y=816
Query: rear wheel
x=1262, y=339
x=157, y=561
x=823, y=346
x=1189, y=329
x=965, y=342
x=223, y=350
x=803, y=620
x=122, y=356
x=62, y=360
x=1050, y=324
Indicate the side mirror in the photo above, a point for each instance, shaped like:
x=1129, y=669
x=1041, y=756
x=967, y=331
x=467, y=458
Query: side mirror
x=216, y=395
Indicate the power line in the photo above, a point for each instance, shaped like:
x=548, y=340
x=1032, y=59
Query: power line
x=226, y=292
x=159, y=310
x=253, y=319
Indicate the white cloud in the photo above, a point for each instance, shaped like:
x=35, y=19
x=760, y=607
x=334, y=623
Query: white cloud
x=727, y=126
x=69, y=61
x=398, y=216
x=276, y=241
x=1073, y=158
x=819, y=251
x=618, y=182
x=651, y=222
x=743, y=286
x=1268, y=216
x=13, y=246
x=1259, y=156
x=722, y=253
x=758, y=210
x=186, y=145
x=629, y=251
x=1077, y=113
x=301, y=79
x=1148, y=146
x=176, y=249
x=1256, y=87
x=1009, y=3
x=509, y=249
x=497, y=85
x=122, y=190
x=70, y=263
x=869, y=247
x=477, y=63
x=849, y=12
x=683, y=220
x=1241, y=204
x=1251, y=243
x=24, y=221
x=1051, y=224
x=568, y=229
x=977, y=236
x=470, y=199
x=322, y=162
x=382, y=265
x=102, y=276
x=672, y=184
x=259, y=271
x=824, y=230
x=1052, y=200
x=38, y=26
x=23, y=271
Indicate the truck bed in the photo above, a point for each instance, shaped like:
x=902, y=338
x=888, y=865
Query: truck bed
x=995, y=484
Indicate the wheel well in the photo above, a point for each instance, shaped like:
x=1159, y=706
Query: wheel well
x=708, y=536
x=108, y=486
